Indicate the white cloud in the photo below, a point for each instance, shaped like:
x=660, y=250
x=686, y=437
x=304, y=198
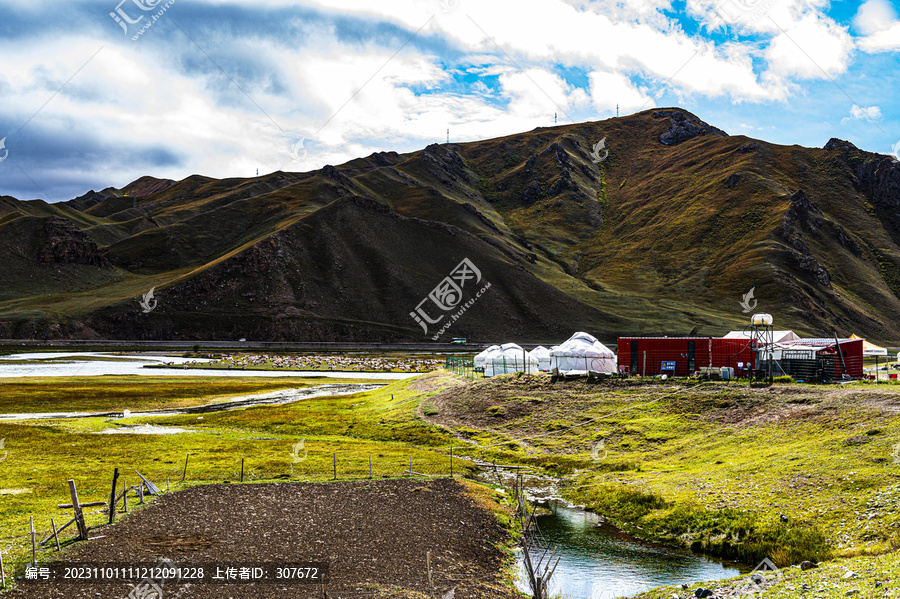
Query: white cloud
x=870, y=113
x=812, y=48
x=874, y=16
x=611, y=89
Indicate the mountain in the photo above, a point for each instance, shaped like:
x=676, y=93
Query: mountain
x=663, y=228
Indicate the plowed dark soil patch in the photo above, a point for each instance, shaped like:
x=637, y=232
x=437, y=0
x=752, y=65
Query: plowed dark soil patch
x=373, y=535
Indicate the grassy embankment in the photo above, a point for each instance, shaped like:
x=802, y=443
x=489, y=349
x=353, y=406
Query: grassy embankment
x=713, y=467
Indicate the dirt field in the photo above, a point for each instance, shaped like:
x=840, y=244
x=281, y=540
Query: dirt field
x=373, y=535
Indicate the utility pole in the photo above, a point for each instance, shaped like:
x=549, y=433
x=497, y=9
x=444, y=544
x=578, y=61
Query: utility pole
x=617, y=111
x=448, y=135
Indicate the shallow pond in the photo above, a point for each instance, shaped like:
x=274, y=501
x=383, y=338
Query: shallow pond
x=601, y=562
x=99, y=364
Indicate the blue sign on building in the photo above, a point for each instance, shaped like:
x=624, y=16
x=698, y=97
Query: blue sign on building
x=667, y=366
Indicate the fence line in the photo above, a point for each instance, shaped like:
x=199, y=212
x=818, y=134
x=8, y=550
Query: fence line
x=311, y=467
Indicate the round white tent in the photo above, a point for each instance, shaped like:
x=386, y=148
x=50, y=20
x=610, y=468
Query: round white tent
x=542, y=355
x=582, y=352
x=481, y=357
x=510, y=358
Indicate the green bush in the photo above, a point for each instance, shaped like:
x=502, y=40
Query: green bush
x=784, y=379
x=498, y=411
x=429, y=410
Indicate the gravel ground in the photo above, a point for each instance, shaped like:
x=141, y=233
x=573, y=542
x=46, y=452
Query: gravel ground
x=374, y=536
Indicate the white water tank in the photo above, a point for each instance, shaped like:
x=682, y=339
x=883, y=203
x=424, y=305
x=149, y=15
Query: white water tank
x=761, y=320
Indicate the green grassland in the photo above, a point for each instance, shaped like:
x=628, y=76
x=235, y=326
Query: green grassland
x=116, y=393
x=345, y=431
x=709, y=466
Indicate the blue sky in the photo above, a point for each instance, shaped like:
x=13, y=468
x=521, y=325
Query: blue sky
x=97, y=93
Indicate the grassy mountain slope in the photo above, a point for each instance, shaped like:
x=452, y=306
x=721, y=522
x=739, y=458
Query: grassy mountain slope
x=663, y=235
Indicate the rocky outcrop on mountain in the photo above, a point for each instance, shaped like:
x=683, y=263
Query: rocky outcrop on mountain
x=91, y=198
x=804, y=214
x=839, y=144
x=683, y=127
x=445, y=164
x=67, y=244
x=880, y=179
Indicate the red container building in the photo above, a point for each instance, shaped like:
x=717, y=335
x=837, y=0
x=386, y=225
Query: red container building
x=684, y=356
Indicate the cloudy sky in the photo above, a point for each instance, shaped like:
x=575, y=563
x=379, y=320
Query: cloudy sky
x=97, y=93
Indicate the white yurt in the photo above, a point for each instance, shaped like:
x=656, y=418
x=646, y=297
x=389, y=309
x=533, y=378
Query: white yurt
x=582, y=352
x=542, y=355
x=510, y=358
x=481, y=357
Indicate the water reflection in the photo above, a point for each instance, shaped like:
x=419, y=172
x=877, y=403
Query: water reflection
x=601, y=562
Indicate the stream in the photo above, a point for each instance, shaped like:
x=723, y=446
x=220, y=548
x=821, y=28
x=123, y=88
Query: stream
x=598, y=561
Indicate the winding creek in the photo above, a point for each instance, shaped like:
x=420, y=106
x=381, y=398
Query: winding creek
x=597, y=561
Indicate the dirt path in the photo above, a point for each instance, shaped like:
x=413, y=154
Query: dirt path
x=373, y=535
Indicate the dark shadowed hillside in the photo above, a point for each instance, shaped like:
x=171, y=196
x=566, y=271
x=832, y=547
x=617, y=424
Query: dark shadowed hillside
x=664, y=235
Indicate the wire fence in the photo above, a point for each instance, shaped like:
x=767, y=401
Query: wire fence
x=462, y=366
x=57, y=530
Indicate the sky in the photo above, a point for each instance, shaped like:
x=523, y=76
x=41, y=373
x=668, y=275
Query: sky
x=97, y=93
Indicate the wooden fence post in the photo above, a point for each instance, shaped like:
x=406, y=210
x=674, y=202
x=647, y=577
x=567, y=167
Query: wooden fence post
x=334, y=463
x=370, y=466
x=33, y=548
x=451, y=461
x=183, y=474
x=112, y=497
x=76, y=507
x=430, y=576
x=125, y=496
x=2, y=573
x=55, y=536
x=242, y=469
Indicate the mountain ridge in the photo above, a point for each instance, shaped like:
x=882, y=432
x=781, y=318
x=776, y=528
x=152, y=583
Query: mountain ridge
x=664, y=235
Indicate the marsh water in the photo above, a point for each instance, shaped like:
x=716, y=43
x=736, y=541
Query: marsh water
x=45, y=364
x=597, y=561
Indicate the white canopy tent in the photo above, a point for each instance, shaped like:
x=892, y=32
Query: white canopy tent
x=777, y=336
x=509, y=358
x=582, y=352
x=542, y=355
x=482, y=357
x=870, y=349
